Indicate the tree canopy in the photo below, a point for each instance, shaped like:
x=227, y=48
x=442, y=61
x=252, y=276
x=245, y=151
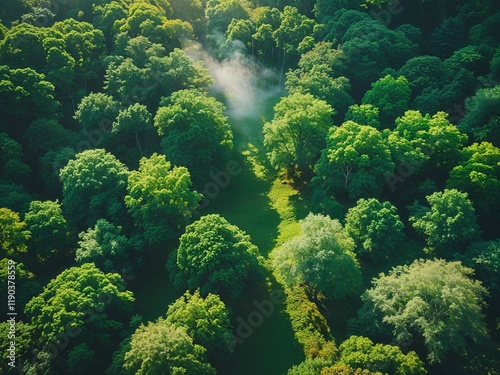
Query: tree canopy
x=322, y=258
x=432, y=301
x=216, y=257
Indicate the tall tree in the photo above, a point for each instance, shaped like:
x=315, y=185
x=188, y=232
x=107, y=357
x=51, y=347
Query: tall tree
x=361, y=352
x=216, y=257
x=322, y=258
x=94, y=184
x=478, y=174
x=105, y=246
x=81, y=300
x=195, y=132
x=391, y=96
x=49, y=229
x=355, y=160
x=206, y=320
x=160, y=198
x=13, y=233
x=375, y=227
x=435, y=302
x=163, y=348
x=449, y=224
x=295, y=137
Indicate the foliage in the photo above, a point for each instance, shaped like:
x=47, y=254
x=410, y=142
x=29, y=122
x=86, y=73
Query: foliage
x=13, y=233
x=309, y=367
x=484, y=258
x=320, y=74
x=450, y=222
x=205, y=320
x=391, y=96
x=482, y=116
x=294, y=27
x=195, y=132
x=216, y=257
x=478, y=175
x=321, y=258
x=296, y=135
x=418, y=139
x=355, y=160
x=375, y=227
x=49, y=229
x=12, y=167
x=160, y=198
x=310, y=327
x=364, y=114
x=105, y=246
x=94, y=184
x=81, y=302
x=162, y=348
x=432, y=300
x=361, y=352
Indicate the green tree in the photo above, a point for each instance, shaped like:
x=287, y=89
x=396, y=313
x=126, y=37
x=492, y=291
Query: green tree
x=44, y=135
x=105, y=246
x=361, y=352
x=134, y=120
x=216, y=257
x=83, y=303
x=95, y=109
x=195, y=132
x=433, y=301
x=296, y=135
x=478, y=174
x=391, y=96
x=13, y=233
x=364, y=114
x=94, y=184
x=24, y=93
x=482, y=116
x=355, y=160
x=48, y=227
x=322, y=258
x=450, y=222
x=162, y=348
x=424, y=71
x=78, y=358
x=311, y=366
x=220, y=13
x=371, y=47
x=484, y=258
x=205, y=320
x=12, y=168
x=448, y=37
x=160, y=198
x=418, y=138
x=375, y=228
x=24, y=342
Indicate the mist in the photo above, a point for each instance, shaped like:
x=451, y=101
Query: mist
x=243, y=81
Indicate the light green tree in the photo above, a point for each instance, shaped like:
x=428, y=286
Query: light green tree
x=160, y=198
x=355, y=160
x=322, y=258
x=296, y=135
x=433, y=302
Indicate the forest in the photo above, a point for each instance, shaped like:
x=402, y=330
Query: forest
x=250, y=187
